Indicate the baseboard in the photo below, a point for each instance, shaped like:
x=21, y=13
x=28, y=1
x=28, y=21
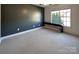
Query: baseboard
x=2, y=38
x=71, y=34
x=0, y=41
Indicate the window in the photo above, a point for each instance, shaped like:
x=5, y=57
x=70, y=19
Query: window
x=63, y=17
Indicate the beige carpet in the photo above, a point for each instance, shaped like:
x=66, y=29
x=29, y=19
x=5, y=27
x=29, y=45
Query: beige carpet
x=42, y=41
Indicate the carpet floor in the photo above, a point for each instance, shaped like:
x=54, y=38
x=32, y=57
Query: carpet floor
x=42, y=41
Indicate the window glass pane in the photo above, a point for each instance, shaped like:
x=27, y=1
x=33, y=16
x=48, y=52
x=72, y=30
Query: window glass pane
x=68, y=19
x=53, y=13
x=62, y=14
x=68, y=24
x=64, y=18
x=64, y=23
x=65, y=14
x=68, y=13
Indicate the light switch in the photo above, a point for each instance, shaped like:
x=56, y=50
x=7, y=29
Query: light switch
x=18, y=29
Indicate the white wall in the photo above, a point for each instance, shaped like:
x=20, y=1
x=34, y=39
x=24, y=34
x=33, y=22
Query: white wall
x=74, y=29
x=0, y=20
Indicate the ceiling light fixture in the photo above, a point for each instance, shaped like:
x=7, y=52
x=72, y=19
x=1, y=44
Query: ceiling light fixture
x=45, y=4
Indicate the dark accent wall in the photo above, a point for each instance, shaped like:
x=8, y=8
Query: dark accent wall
x=20, y=17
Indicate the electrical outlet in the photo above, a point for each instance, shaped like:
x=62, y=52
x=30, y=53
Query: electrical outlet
x=33, y=25
x=18, y=29
x=39, y=24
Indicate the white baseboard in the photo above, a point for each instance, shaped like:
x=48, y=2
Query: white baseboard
x=2, y=38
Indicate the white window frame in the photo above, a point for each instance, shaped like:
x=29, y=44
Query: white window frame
x=65, y=21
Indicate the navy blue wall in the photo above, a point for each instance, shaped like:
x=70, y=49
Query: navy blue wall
x=24, y=17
